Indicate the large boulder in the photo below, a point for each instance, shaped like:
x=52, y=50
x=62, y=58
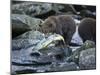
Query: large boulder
x=26, y=40
x=64, y=67
x=31, y=8
x=87, y=13
x=23, y=23
x=31, y=35
x=63, y=8
x=75, y=55
x=87, y=59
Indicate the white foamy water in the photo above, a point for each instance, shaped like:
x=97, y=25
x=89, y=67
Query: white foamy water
x=76, y=38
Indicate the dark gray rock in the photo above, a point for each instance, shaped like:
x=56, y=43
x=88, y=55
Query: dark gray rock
x=88, y=44
x=75, y=55
x=65, y=66
x=23, y=43
x=87, y=59
x=23, y=23
x=87, y=13
x=27, y=56
x=25, y=69
x=35, y=35
x=25, y=62
x=56, y=53
x=31, y=8
x=26, y=40
x=63, y=9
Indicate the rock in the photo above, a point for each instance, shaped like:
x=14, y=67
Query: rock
x=67, y=51
x=64, y=67
x=16, y=2
x=22, y=60
x=26, y=40
x=32, y=35
x=63, y=8
x=22, y=69
x=87, y=44
x=31, y=8
x=87, y=59
x=22, y=56
x=57, y=53
x=23, y=63
x=51, y=51
x=75, y=55
x=23, y=43
x=25, y=57
x=87, y=13
x=23, y=23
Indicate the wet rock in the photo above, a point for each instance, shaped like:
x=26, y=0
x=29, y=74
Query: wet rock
x=23, y=62
x=87, y=44
x=51, y=68
x=57, y=53
x=31, y=8
x=23, y=43
x=26, y=40
x=28, y=69
x=87, y=59
x=63, y=8
x=75, y=55
x=51, y=51
x=65, y=66
x=16, y=2
x=35, y=54
x=32, y=35
x=22, y=69
x=24, y=57
x=67, y=51
x=87, y=13
x=44, y=59
x=23, y=23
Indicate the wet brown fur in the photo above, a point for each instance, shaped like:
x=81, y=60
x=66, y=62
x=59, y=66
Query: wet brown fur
x=87, y=29
x=62, y=24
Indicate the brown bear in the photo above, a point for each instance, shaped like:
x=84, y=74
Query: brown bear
x=87, y=29
x=61, y=24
